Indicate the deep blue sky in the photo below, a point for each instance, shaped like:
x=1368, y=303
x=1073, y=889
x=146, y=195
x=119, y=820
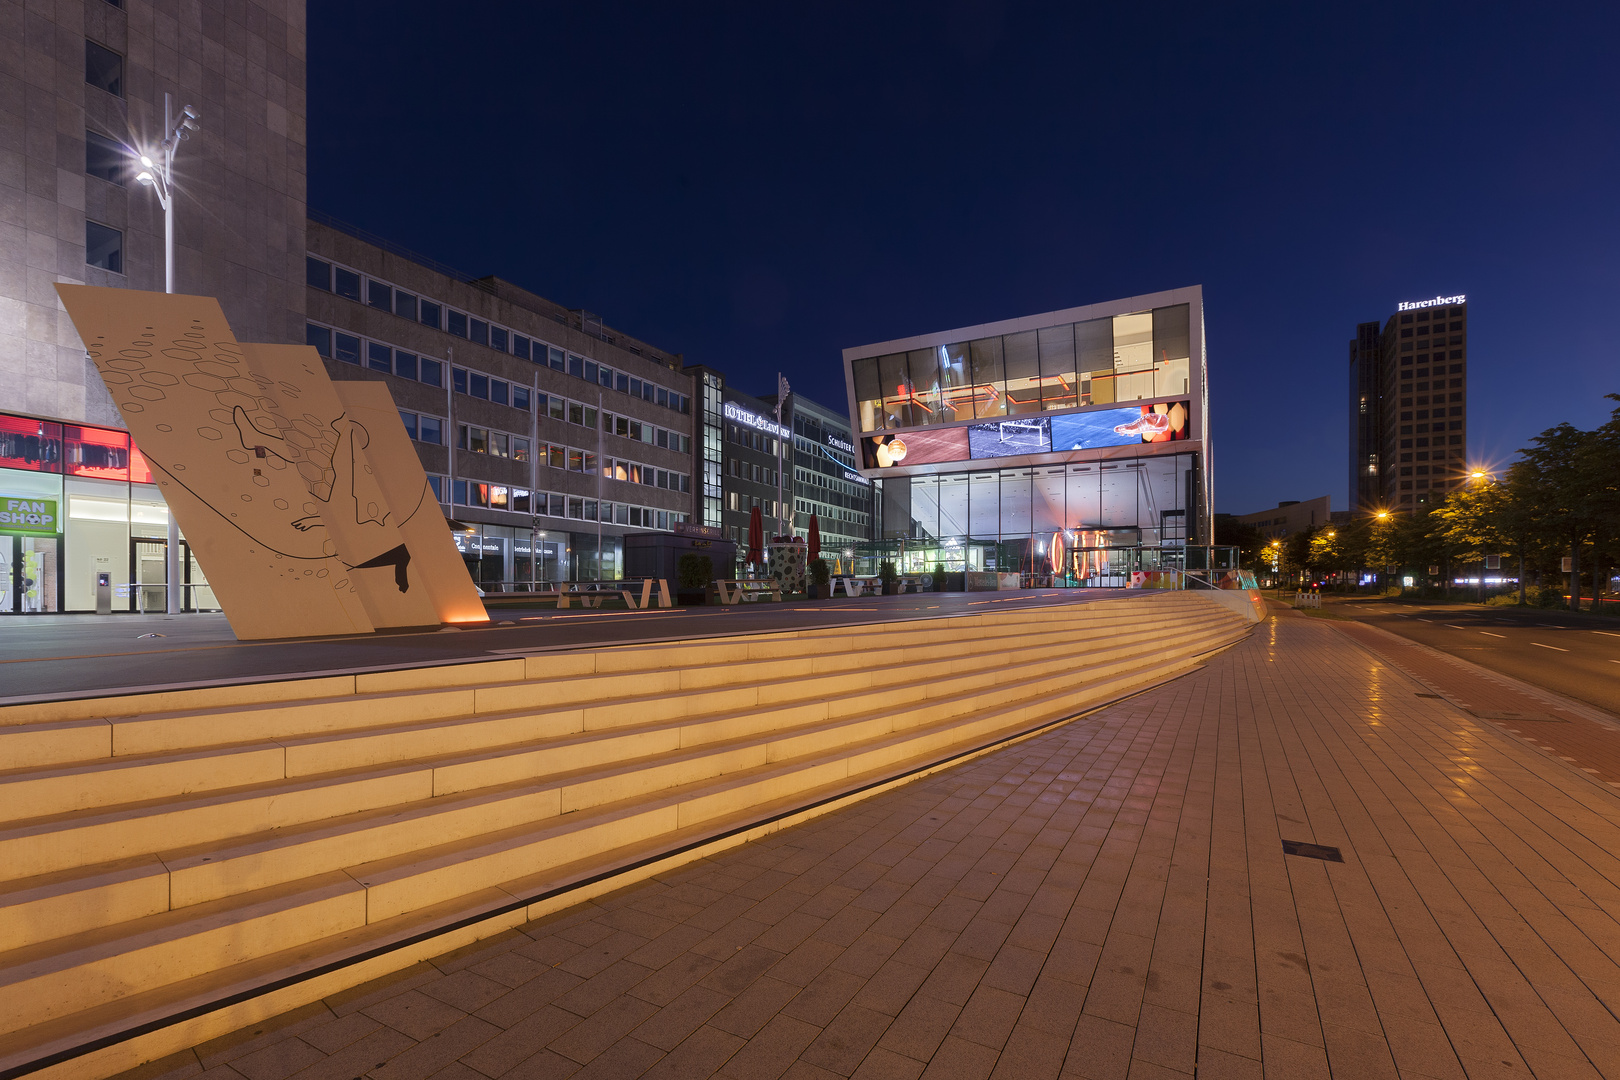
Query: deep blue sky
x=759, y=186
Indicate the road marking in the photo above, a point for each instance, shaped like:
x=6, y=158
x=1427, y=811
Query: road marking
x=1487, y=633
x=1454, y=626
x=1606, y=633
x=1554, y=648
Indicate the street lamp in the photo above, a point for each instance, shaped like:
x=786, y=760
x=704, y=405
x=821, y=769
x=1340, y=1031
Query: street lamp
x=159, y=176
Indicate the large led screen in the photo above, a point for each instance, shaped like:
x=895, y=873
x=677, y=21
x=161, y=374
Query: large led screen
x=1010, y=438
x=915, y=448
x=1162, y=422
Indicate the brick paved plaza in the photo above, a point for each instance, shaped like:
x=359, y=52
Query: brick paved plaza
x=1108, y=900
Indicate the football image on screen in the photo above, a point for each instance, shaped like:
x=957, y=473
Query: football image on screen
x=1163, y=422
x=1010, y=438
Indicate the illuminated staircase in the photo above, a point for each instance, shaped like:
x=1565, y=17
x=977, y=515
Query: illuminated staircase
x=206, y=858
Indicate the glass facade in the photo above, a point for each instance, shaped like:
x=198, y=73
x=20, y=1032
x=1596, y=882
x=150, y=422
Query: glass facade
x=105, y=516
x=1138, y=356
x=1069, y=448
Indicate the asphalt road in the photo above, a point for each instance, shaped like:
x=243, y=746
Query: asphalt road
x=1574, y=655
x=57, y=656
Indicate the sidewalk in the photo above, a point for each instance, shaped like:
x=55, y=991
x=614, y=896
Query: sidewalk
x=1108, y=900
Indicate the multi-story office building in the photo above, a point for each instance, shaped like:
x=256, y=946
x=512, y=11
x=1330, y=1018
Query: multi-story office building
x=1018, y=444
x=741, y=453
x=825, y=480
x=1409, y=416
x=548, y=435
x=85, y=95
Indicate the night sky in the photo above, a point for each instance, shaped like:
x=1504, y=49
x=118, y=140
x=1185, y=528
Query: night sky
x=761, y=186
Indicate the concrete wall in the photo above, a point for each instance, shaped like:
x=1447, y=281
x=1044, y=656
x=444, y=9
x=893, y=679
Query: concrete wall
x=240, y=219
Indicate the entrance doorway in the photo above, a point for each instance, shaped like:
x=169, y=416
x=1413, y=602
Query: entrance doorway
x=149, y=578
x=28, y=574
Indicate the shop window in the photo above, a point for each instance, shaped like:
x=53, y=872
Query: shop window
x=99, y=452
x=34, y=445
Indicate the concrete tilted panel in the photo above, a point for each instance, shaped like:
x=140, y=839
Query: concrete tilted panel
x=196, y=409
x=314, y=433
x=435, y=562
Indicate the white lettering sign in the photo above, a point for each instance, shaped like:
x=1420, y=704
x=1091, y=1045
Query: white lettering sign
x=838, y=444
x=736, y=412
x=1439, y=301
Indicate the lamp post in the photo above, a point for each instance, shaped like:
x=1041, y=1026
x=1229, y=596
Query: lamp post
x=159, y=176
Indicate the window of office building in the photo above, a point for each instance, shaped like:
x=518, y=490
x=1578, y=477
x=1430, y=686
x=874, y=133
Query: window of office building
x=106, y=159
x=103, y=247
x=103, y=68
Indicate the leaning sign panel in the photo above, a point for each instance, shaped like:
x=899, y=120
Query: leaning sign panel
x=265, y=472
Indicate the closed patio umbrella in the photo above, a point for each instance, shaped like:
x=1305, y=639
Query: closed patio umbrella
x=813, y=550
x=756, y=537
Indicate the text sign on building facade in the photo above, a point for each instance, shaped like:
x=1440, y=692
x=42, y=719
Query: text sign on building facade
x=1439, y=301
x=741, y=415
x=20, y=516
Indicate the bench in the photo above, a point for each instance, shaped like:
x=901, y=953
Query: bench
x=856, y=586
x=736, y=590
x=914, y=582
x=590, y=594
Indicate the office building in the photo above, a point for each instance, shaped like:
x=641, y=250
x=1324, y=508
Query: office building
x=1290, y=518
x=85, y=95
x=1065, y=445
x=825, y=481
x=547, y=435
x=741, y=453
x=1409, y=406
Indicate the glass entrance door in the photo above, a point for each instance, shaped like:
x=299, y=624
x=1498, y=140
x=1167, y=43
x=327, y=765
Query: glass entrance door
x=28, y=572
x=148, y=574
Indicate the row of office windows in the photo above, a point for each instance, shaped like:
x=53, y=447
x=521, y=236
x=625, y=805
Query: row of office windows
x=1438, y=315
x=514, y=500
x=363, y=289
x=825, y=512
x=480, y=440
x=351, y=349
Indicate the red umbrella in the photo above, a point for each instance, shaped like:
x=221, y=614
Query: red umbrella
x=756, y=537
x=814, y=551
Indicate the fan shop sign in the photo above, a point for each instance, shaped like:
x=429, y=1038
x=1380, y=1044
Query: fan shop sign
x=28, y=517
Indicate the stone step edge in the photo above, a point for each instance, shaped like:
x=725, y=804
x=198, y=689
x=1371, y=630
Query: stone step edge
x=348, y=682
x=1187, y=643
x=102, y=732
x=96, y=765
x=118, y=1044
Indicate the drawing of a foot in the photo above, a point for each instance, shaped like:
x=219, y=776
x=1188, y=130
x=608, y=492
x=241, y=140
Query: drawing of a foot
x=1147, y=424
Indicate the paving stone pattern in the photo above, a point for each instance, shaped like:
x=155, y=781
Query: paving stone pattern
x=1108, y=900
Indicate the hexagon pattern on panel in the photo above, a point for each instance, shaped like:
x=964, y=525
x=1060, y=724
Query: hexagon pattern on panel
x=265, y=473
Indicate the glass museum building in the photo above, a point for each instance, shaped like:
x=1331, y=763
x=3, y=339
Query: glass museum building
x=1070, y=447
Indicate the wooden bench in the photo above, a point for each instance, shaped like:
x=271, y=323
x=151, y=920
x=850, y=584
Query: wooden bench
x=914, y=582
x=590, y=594
x=733, y=591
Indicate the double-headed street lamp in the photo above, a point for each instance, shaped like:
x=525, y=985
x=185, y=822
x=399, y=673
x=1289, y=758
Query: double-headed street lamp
x=159, y=176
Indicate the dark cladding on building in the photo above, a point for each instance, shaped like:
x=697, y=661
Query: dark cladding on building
x=1408, y=430
x=995, y=446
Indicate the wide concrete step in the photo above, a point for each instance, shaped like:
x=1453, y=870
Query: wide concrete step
x=63, y=841
x=39, y=791
x=46, y=981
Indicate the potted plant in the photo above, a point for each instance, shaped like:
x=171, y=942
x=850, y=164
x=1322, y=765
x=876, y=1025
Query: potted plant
x=939, y=577
x=693, y=573
x=888, y=575
x=820, y=574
